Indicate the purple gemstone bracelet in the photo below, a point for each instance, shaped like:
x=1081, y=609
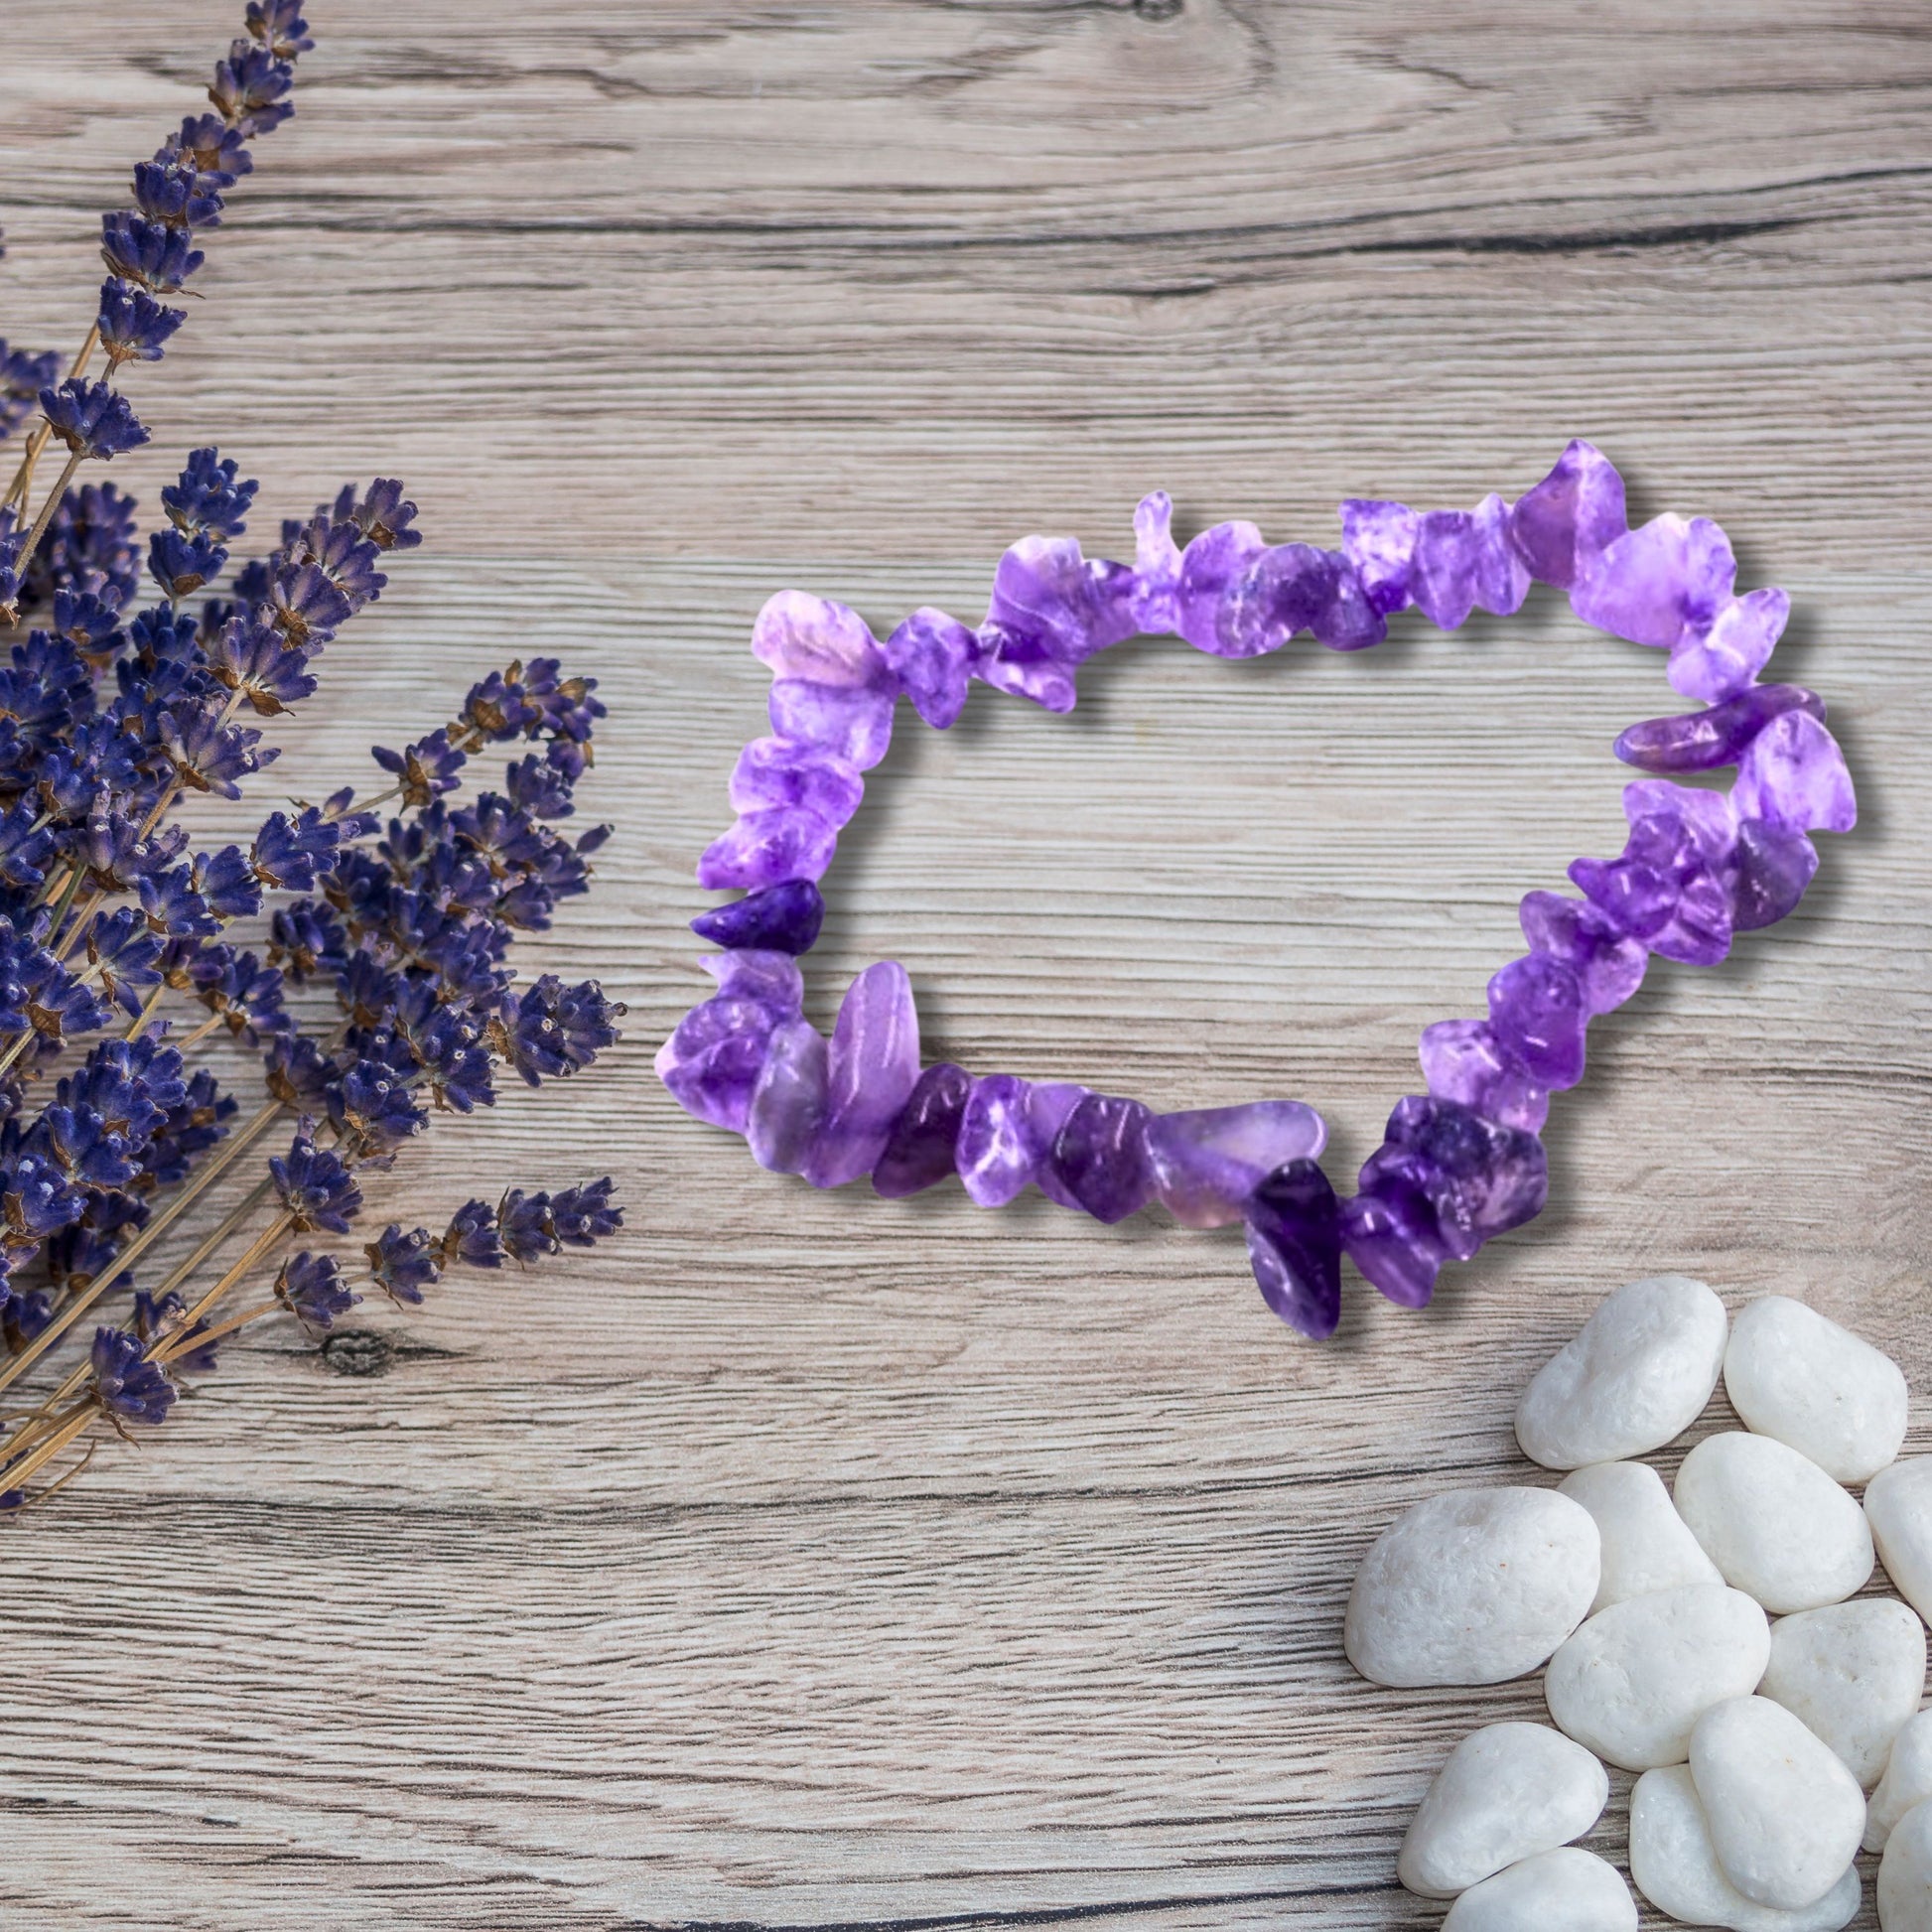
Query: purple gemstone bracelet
x=1457, y=1165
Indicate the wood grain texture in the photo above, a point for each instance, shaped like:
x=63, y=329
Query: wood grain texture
x=822, y=1562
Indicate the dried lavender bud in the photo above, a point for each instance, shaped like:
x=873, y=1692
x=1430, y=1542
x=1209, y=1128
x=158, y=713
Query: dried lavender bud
x=383, y=515
x=128, y=1387
x=423, y=771
x=278, y=26
x=91, y=419
x=310, y=1287
x=208, y=496
x=472, y=1237
x=134, y=326
x=159, y=258
x=22, y=376
x=317, y=1189
x=404, y=1265
x=161, y=1321
x=249, y=89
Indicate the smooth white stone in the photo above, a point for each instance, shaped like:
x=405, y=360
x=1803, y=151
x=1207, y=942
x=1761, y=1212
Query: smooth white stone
x=1853, y=1674
x=1647, y=1546
x=1777, y=1526
x=1556, y=1892
x=1638, y=1375
x=1906, y=1875
x=1507, y=1792
x=1632, y=1682
x=1898, y=1506
x=1795, y=1374
x=1785, y=1815
x=1674, y=1865
x=1907, y=1781
x=1471, y=1586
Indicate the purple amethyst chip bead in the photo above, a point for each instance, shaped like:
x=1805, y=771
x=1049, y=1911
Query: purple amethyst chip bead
x=1608, y=964
x=786, y=918
x=934, y=655
x=1537, y=1011
x=1100, y=1156
x=1707, y=740
x=1565, y=525
x=997, y=1151
x=919, y=1148
x=1464, y=1061
x=1294, y=1229
x=1771, y=866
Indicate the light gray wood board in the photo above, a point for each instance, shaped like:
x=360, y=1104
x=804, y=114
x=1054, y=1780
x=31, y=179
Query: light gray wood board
x=807, y=1562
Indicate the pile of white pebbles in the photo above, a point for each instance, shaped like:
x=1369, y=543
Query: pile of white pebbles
x=1757, y=1739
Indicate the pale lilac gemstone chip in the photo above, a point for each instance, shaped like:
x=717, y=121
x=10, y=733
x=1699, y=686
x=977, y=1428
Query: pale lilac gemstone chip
x=1046, y=590
x=1205, y=1162
x=932, y=655
x=762, y=973
x=872, y=1067
x=1463, y=1060
x=712, y=1062
x=1566, y=523
x=1156, y=565
x=788, y=1102
x=1210, y=566
x=1660, y=584
x=774, y=772
x=997, y=1149
x=811, y=638
x=1794, y=774
x=853, y=720
x=1443, y=575
x=768, y=846
x=1720, y=659
x=1379, y=540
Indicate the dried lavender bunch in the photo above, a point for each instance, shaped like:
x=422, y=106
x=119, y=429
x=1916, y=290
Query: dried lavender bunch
x=114, y=925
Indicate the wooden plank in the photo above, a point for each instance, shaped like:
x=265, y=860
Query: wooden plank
x=821, y=1562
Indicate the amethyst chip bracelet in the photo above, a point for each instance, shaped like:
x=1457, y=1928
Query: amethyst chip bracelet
x=1458, y=1165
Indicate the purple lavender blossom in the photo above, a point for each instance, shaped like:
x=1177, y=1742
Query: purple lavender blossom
x=316, y=1188
x=128, y=1387
x=91, y=419
x=23, y=375
x=310, y=1287
x=404, y=1265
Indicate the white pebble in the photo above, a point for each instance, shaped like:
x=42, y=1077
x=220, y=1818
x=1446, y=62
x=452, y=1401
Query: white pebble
x=1853, y=1673
x=1647, y=1546
x=1776, y=1525
x=1906, y=1875
x=1672, y=1863
x=1635, y=1680
x=1554, y=1891
x=1785, y=1815
x=1898, y=1506
x=1632, y=1682
x=1471, y=1586
x=1506, y=1792
x=1907, y=1781
x=1638, y=1375
x=1792, y=1373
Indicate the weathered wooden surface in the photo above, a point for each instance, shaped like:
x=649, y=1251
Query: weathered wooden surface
x=812, y=1562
